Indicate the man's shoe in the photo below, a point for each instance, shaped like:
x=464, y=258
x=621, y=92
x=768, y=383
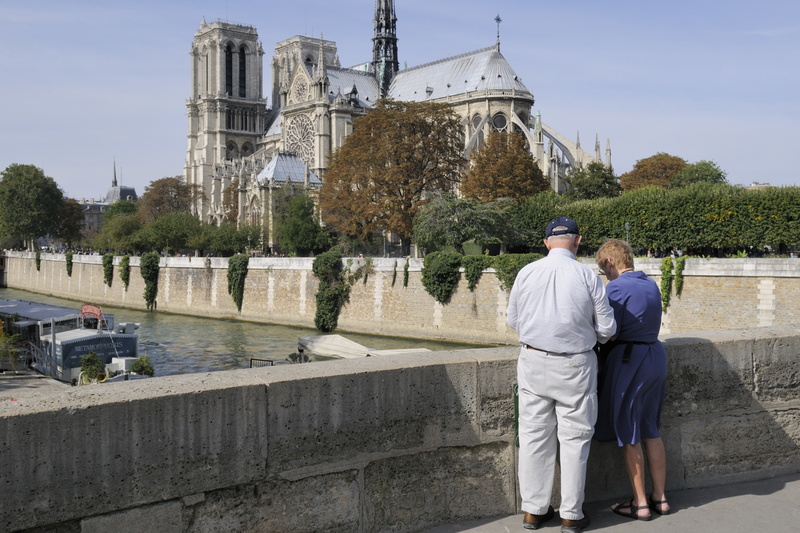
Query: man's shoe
x=535, y=521
x=574, y=526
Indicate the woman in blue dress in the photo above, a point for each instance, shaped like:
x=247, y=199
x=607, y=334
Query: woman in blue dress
x=633, y=381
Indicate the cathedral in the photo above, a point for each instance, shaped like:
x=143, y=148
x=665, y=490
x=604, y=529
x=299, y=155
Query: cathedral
x=243, y=149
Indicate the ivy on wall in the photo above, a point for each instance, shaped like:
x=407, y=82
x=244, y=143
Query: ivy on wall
x=333, y=291
x=474, y=265
x=237, y=273
x=108, y=269
x=441, y=274
x=666, y=282
x=394, y=273
x=38, y=260
x=125, y=270
x=68, y=259
x=405, y=274
x=680, y=263
x=149, y=269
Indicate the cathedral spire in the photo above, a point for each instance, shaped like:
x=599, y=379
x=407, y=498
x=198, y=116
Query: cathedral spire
x=114, y=181
x=498, y=20
x=384, y=45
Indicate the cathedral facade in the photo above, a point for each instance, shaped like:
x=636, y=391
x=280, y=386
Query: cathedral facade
x=241, y=151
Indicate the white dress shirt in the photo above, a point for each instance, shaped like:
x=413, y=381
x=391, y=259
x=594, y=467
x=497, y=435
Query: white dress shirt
x=559, y=305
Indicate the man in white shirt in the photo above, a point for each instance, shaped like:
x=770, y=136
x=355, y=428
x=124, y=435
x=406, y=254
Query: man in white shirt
x=560, y=310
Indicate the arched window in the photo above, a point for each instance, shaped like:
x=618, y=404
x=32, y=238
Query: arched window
x=499, y=122
x=229, y=70
x=242, y=73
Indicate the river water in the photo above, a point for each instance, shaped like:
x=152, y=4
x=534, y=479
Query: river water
x=179, y=344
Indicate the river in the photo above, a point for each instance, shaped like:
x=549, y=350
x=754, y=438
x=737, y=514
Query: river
x=180, y=344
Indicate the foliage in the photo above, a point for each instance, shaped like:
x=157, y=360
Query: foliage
x=440, y=274
x=9, y=348
x=655, y=170
x=230, y=201
x=68, y=260
x=125, y=270
x=595, y=181
x=300, y=231
x=397, y=155
x=508, y=266
x=702, y=171
x=474, y=265
x=405, y=273
x=503, y=167
x=170, y=232
x=666, y=282
x=148, y=266
x=333, y=291
x=38, y=260
x=143, y=366
x=108, y=269
x=122, y=207
x=237, y=273
x=394, y=273
x=680, y=264
x=120, y=232
x=70, y=221
x=447, y=221
x=701, y=218
x=92, y=366
x=30, y=204
x=164, y=196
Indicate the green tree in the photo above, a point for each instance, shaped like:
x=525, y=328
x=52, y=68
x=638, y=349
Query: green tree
x=70, y=222
x=655, y=170
x=503, y=167
x=164, y=196
x=596, y=180
x=123, y=207
x=300, y=231
x=120, y=232
x=450, y=221
x=380, y=177
x=30, y=205
x=702, y=171
x=171, y=232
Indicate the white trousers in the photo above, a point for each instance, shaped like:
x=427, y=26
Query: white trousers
x=557, y=405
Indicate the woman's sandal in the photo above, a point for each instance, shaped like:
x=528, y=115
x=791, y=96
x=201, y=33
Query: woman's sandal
x=654, y=505
x=634, y=511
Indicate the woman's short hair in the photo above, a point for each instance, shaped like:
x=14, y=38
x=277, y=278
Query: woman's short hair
x=618, y=251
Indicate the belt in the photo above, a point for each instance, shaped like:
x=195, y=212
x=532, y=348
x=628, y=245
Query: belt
x=529, y=347
x=626, y=355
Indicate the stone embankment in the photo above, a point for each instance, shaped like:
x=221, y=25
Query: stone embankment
x=717, y=294
x=398, y=443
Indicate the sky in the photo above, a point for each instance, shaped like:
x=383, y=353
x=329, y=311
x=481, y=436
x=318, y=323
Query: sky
x=89, y=84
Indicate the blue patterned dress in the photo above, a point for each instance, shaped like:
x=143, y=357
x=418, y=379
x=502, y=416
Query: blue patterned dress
x=633, y=382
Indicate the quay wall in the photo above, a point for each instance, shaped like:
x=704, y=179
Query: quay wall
x=397, y=443
x=717, y=294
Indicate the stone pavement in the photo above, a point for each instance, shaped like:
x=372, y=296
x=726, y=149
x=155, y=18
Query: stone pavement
x=771, y=505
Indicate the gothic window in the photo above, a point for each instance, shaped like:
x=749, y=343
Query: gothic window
x=242, y=73
x=499, y=122
x=229, y=70
x=231, y=151
x=300, y=138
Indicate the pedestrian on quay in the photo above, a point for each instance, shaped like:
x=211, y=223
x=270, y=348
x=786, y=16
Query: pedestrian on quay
x=633, y=380
x=560, y=310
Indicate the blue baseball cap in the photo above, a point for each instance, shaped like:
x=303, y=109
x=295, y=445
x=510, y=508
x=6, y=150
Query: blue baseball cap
x=561, y=226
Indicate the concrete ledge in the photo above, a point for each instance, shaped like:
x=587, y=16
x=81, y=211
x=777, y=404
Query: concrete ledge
x=400, y=443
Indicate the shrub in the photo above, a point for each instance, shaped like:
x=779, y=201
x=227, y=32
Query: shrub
x=680, y=263
x=333, y=291
x=142, y=366
x=474, y=265
x=38, y=260
x=92, y=366
x=148, y=266
x=108, y=269
x=666, y=282
x=125, y=270
x=440, y=274
x=68, y=257
x=508, y=266
x=237, y=273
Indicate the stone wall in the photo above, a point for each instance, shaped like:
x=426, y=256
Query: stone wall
x=717, y=294
x=398, y=443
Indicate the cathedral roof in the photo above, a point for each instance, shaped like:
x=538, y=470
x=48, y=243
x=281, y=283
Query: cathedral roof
x=484, y=69
x=287, y=168
x=342, y=80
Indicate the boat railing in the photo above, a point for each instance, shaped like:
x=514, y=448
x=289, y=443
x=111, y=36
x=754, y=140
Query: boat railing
x=258, y=363
x=40, y=358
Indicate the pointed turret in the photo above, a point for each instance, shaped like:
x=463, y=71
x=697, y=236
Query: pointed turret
x=384, y=45
x=597, y=148
x=114, y=180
